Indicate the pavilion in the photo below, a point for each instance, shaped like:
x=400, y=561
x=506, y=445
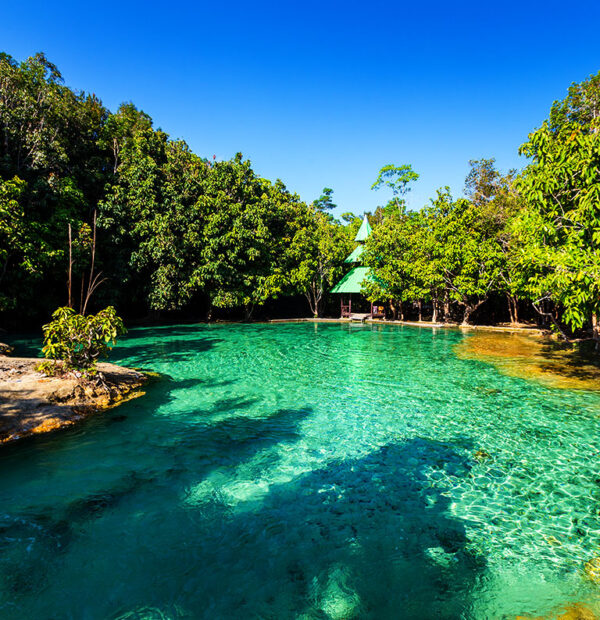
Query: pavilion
x=353, y=281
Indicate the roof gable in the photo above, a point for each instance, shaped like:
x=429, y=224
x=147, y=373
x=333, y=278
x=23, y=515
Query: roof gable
x=364, y=231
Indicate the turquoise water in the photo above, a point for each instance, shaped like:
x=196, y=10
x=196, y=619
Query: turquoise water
x=307, y=471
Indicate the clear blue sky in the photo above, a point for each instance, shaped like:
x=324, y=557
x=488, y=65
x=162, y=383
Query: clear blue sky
x=325, y=93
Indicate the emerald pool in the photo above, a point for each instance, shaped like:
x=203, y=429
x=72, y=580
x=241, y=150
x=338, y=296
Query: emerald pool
x=306, y=471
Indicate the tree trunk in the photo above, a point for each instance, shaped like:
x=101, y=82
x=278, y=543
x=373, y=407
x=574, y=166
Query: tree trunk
x=469, y=309
x=596, y=330
x=434, y=304
x=317, y=310
x=467, y=314
x=446, y=307
x=549, y=317
x=401, y=308
x=311, y=303
x=513, y=308
x=420, y=307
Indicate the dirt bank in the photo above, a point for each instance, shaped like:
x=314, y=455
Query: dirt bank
x=32, y=403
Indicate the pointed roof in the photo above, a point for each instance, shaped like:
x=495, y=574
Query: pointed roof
x=355, y=256
x=352, y=282
x=364, y=231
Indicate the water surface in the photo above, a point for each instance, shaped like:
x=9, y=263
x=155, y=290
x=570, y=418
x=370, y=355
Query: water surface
x=307, y=471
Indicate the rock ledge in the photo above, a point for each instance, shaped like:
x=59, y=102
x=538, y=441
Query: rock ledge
x=31, y=403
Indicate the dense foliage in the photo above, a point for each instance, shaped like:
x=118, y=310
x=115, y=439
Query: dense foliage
x=533, y=237
x=177, y=232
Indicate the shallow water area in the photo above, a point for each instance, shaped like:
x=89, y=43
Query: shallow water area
x=534, y=357
x=308, y=471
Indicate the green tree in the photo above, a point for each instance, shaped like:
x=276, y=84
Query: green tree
x=317, y=254
x=250, y=224
x=466, y=252
x=48, y=141
x=325, y=201
x=498, y=203
x=397, y=179
x=15, y=245
x=559, y=232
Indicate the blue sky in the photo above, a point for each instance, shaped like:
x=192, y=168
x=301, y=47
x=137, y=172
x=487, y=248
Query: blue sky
x=325, y=93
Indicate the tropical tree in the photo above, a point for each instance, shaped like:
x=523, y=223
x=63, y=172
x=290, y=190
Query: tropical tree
x=466, y=252
x=498, y=202
x=317, y=254
x=75, y=342
x=387, y=253
x=249, y=226
x=559, y=231
x=397, y=179
x=325, y=201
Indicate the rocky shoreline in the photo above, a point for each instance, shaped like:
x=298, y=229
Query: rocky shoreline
x=32, y=403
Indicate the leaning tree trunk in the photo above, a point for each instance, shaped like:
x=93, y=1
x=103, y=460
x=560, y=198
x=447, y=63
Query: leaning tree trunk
x=469, y=309
x=467, y=314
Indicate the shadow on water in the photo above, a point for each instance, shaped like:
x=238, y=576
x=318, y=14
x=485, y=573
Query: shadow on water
x=366, y=537
x=370, y=537
x=50, y=534
x=168, y=350
x=361, y=538
x=238, y=438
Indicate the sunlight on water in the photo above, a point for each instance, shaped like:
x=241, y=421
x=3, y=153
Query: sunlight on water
x=309, y=471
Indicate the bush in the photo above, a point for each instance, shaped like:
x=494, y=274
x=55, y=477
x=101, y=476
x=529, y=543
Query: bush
x=75, y=342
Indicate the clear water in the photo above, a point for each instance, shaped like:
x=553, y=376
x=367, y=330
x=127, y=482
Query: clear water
x=307, y=471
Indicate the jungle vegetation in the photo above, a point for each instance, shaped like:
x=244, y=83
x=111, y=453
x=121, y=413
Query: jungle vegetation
x=171, y=232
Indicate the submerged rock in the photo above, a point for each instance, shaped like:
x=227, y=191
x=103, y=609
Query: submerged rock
x=574, y=611
x=552, y=540
x=337, y=600
x=481, y=455
x=592, y=570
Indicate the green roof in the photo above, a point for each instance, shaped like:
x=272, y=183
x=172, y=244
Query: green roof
x=352, y=281
x=354, y=257
x=364, y=231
